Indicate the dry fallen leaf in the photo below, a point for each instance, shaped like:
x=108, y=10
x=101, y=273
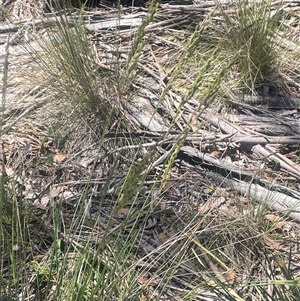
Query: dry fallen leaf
x=59, y=157
x=205, y=208
x=277, y=221
x=168, y=185
x=273, y=244
x=210, y=205
x=273, y=217
x=215, y=153
x=124, y=211
x=230, y=277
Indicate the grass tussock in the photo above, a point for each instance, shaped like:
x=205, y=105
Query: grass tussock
x=248, y=46
x=251, y=31
x=69, y=69
x=121, y=235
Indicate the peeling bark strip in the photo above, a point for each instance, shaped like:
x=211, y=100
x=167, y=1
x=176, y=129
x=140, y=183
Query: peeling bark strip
x=282, y=163
x=115, y=23
x=278, y=201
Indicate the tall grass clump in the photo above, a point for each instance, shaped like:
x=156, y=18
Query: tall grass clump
x=71, y=73
x=249, y=39
x=251, y=30
x=97, y=82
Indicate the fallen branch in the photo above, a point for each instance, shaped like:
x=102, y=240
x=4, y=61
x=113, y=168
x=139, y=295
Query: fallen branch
x=275, y=200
